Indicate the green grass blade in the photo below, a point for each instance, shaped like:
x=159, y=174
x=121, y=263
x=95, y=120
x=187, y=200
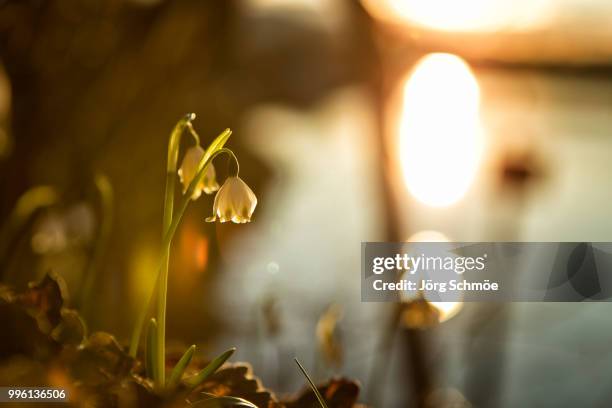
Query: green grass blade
x=222, y=402
x=312, y=385
x=150, y=347
x=210, y=368
x=179, y=368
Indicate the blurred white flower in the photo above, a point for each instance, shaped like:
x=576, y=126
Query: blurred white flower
x=50, y=235
x=61, y=230
x=234, y=201
x=189, y=168
x=80, y=221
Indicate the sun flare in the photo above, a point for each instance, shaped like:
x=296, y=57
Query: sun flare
x=466, y=15
x=440, y=130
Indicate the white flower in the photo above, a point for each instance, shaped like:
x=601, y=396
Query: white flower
x=234, y=201
x=189, y=168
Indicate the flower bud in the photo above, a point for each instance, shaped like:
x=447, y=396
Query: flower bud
x=189, y=169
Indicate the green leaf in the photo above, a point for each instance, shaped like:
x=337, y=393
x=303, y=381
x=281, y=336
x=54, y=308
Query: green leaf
x=151, y=346
x=179, y=368
x=312, y=385
x=213, y=401
x=210, y=368
x=216, y=144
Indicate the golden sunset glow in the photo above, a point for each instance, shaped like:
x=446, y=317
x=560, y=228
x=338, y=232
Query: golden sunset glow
x=440, y=131
x=466, y=15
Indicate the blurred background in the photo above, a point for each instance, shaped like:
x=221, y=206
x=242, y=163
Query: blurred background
x=464, y=120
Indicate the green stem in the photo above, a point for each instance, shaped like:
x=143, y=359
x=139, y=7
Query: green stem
x=171, y=168
x=150, y=347
x=196, y=137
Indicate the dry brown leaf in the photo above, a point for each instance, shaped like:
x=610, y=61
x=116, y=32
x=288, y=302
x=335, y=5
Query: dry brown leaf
x=338, y=393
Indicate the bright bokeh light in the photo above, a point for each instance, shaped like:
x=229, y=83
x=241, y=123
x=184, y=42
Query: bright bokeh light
x=464, y=15
x=444, y=310
x=263, y=4
x=329, y=13
x=440, y=130
x=428, y=236
x=447, y=310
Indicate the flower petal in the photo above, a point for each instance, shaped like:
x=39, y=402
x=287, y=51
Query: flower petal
x=234, y=202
